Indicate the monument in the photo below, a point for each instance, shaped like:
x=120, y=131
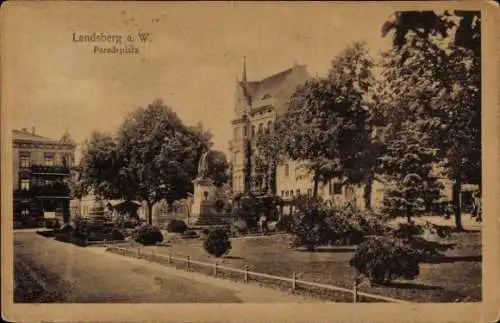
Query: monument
x=205, y=193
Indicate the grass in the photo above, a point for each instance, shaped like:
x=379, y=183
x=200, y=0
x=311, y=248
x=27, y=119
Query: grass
x=454, y=278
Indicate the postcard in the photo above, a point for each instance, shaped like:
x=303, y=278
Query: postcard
x=249, y=161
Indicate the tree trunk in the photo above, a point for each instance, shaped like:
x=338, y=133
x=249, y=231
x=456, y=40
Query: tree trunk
x=149, y=212
x=457, y=207
x=367, y=194
x=316, y=184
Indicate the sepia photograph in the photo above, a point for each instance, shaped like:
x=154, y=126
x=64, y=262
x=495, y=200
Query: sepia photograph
x=247, y=153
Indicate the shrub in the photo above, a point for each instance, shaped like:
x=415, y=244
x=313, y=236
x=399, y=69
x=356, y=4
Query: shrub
x=217, y=242
x=148, y=235
x=285, y=223
x=384, y=258
x=309, y=226
x=115, y=235
x=408, y=230
x=239, y=227
x=176, y=226
x=190, y=234
x=64, y=234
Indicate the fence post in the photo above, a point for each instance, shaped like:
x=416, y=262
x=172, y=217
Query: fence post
x=215, y=268
x=355, y=291
x=188, y=262
x=246, y=274
x=294, y=282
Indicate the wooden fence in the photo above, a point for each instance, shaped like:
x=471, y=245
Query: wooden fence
x=216, y=268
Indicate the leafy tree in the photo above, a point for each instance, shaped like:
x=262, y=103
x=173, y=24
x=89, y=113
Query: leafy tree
x=268, y=158
x=153, y=157
x=436, y=69
x=327, y=123
x=99, y=168
x=218, y=168
x=160, y=154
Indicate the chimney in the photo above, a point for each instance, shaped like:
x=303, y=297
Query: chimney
x=33, y=130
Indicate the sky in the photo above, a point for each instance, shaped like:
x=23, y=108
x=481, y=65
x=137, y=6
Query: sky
x=192, y=59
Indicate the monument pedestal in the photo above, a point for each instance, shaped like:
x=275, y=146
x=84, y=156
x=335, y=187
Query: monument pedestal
x=204, y=199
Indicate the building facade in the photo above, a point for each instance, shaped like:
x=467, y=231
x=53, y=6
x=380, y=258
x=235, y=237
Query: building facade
x=41, y=168
x=257, y=105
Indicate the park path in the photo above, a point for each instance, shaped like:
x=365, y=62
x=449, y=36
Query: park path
x=62, y=272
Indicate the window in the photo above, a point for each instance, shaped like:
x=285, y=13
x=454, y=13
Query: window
x=245, y=131
x=337, y=188
x=49, y=159
x=237, y=133
x=286, y=194
x=287, y=170
x=282, y=193
x=25, y=184
x=291, y=193
x=309, y=191
x=297, y=192
x=64, y=161
x=261, y=128
x=25, y=159
x=253, y=131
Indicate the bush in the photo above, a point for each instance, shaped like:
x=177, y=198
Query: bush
x=239, y=227
x=64, y=234
x=408, y=230
x=310, y=227
x=115, y=235
x=148, y=235
x=176, y=226
x=217, y=242
x=285, y=223
x=384, y=258
x=190, y=234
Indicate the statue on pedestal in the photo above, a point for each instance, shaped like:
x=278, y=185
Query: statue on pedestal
x=203, y=166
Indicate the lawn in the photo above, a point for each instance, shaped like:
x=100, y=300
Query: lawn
x=454, y=278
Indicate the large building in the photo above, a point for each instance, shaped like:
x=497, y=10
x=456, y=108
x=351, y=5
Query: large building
x=41, y=167
x=257, y=105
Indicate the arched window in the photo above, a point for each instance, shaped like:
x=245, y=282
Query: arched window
x=261, y=128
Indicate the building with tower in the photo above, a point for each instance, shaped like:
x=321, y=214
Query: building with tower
x=41, y=168
x=257, y=105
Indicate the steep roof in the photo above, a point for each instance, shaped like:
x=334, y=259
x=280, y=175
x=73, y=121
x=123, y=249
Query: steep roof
x=276, y=89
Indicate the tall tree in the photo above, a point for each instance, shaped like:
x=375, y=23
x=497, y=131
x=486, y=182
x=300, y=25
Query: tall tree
x=160, y=154
x=439, y=57
x=326, y=126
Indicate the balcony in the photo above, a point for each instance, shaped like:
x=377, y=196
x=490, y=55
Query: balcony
x=53, y=190
x=50, y=170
